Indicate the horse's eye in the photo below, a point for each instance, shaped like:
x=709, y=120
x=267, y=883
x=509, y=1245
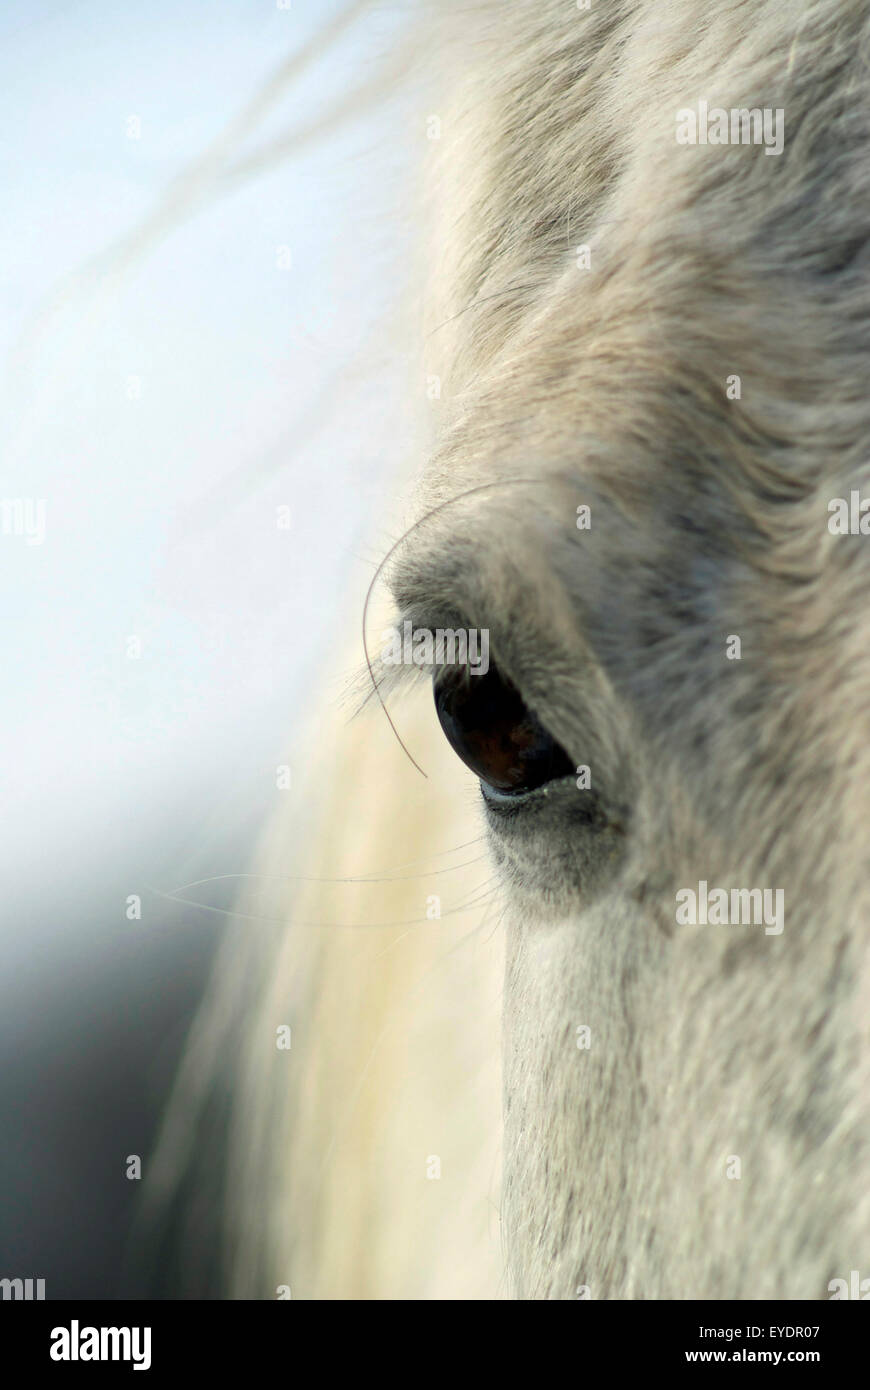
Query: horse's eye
x=495, y=733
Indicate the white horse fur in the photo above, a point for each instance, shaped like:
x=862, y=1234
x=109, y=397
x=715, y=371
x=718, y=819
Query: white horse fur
x=708, y=1135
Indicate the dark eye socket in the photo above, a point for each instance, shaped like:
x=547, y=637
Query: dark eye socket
x=494, y=732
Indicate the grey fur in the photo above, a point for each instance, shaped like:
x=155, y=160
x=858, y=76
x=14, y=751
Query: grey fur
x=708, y=518
x=606, y=387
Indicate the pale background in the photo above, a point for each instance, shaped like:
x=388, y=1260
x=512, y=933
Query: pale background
x=164, y=413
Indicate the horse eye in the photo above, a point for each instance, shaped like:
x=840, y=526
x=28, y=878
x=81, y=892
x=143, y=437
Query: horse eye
x=495, y=733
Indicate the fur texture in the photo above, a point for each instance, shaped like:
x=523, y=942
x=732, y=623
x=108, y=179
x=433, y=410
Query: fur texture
x=606, y=387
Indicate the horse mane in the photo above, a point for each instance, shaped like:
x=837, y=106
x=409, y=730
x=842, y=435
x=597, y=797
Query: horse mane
x=554, y=132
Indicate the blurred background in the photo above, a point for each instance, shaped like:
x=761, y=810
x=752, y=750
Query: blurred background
x=207, y=215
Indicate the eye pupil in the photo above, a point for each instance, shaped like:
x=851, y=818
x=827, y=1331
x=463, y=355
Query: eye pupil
x=493, y=731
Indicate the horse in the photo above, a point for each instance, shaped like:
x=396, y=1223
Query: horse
x=544, y=1035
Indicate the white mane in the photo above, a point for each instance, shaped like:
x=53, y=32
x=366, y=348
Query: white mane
x=603, y=377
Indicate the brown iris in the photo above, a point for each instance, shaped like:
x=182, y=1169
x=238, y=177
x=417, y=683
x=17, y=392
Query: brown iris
x=493, y=731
